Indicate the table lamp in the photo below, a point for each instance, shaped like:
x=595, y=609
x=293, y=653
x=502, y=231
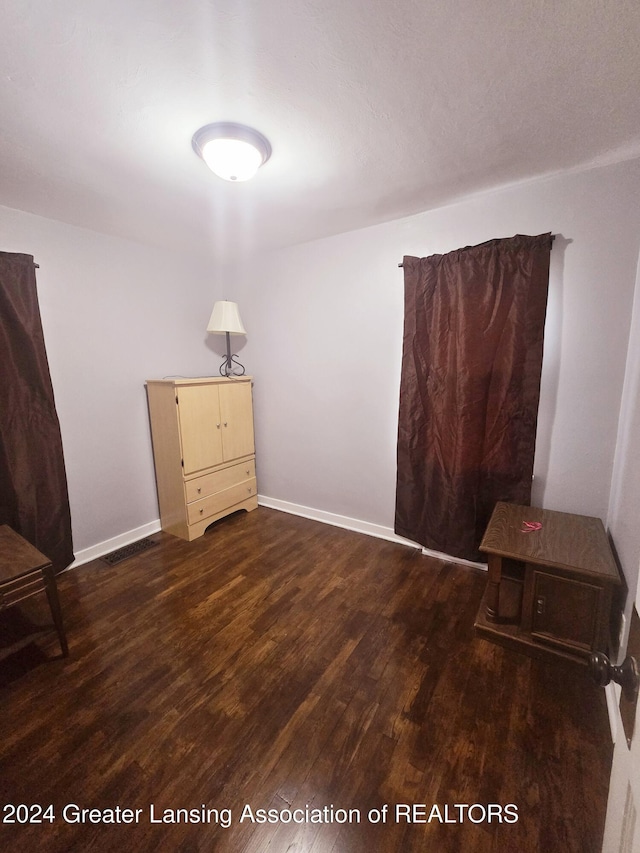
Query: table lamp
x=225, y=319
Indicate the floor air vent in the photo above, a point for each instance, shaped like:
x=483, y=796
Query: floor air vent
x=128, y=551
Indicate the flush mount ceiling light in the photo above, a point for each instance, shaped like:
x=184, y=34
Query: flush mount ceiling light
x=232, y=151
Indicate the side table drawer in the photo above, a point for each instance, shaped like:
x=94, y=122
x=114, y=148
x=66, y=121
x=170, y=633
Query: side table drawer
x=17, y=589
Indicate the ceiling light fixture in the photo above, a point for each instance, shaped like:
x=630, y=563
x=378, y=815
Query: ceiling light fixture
x=232, y=151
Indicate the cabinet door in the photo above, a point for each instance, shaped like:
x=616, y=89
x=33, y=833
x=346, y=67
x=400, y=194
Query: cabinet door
x=200, y=427
x=236, y=412
x=565, y=611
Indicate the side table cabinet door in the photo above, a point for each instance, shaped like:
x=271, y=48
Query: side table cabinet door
x=565, y=611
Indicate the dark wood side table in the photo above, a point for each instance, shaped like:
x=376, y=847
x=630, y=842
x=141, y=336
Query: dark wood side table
x=551, y=581
x=24, y=572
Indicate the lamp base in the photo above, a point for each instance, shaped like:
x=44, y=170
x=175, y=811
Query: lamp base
x=231, y=366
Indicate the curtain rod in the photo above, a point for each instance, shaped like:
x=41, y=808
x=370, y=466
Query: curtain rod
x=553, y=237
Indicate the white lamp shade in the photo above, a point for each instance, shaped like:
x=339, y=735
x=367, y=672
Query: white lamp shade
x=232, y=151
x=225, y=317
x=232, y=159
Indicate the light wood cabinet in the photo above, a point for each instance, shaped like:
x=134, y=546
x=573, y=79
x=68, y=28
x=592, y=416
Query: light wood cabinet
x=204, y=451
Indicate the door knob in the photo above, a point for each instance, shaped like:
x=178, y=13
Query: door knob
x=626, y=675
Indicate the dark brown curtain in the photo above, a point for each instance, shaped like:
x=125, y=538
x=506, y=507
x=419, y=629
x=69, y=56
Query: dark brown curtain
x=33, y=485
x=469, y=391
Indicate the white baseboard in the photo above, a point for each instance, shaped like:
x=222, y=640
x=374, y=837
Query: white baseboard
x=355, y=524
x=343, y=521
x=457, y=560
x=109, y=545
x=358, y=526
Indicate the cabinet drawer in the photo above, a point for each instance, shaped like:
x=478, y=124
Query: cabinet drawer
x=225, y=499
x=210, y=484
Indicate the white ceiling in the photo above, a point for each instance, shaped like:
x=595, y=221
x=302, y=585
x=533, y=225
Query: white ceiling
x=375, y=109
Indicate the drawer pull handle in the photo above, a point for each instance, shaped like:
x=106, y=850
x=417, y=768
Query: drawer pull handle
x=225, y=423
x=217, y=426
x=199, y=489
x=201, y=512
x=248, y=470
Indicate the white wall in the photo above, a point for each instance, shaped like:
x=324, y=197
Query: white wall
x=114, y=313
x=324, y=323
x=624, y=508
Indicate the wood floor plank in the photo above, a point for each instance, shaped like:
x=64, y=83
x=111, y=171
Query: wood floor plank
x=278, y=663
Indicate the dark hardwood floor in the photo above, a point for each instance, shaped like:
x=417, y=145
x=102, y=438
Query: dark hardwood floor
x=278, y=663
